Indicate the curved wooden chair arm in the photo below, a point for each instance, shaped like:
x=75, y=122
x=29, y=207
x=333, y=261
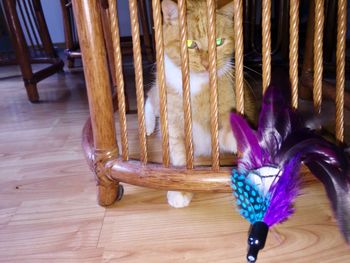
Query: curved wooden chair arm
x=153, y=175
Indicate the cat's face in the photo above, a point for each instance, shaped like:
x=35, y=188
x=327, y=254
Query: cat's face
x=197, y=34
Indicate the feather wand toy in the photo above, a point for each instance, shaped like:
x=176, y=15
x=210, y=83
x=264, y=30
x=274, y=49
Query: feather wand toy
x=266, y=180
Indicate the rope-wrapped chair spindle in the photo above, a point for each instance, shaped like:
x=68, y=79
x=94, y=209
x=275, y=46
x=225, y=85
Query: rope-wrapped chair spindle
x=186, y=84
x=135, y=31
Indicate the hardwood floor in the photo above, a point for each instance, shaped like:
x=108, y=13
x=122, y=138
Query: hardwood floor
x=48, y=209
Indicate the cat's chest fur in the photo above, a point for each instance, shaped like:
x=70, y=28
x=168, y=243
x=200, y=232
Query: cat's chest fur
x=174, y=78
x=199, y=89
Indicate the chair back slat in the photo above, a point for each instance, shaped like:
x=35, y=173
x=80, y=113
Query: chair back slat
x=318, y=54
x=293, y=50
x=213, y=83
x=135, y=31
x=266, y=43
x=118, y=76
x=239, y=80
x=158, y=35
x=186, y=83
x=340, y=73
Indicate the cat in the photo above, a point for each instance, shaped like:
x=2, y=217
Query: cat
x=197, y=44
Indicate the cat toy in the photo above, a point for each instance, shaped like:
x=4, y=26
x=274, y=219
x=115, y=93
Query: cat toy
x=266, y=180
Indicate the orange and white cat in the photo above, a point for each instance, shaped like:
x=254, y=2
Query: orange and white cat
x=197, y=44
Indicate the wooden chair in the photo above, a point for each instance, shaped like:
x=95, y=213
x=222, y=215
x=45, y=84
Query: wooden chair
x=111, y=159
x=36, y=48
x=71, y=38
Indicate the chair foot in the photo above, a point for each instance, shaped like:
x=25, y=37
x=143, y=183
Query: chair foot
x=108, y=195
x=120, y=192
x=32, y=93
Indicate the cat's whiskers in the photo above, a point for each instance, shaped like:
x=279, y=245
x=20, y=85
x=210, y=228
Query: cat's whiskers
x=252, y=70
x=246, y=67
x=227, y=70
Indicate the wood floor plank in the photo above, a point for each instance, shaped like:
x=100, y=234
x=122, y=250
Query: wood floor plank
x=86, y=255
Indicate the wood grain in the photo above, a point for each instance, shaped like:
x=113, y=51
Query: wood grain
x=48, y=210
x=89, y=26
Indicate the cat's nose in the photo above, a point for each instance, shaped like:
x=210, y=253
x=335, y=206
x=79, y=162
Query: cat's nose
x=205, y=63
x=205, y=60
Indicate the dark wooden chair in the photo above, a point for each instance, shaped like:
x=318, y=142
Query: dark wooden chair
x=31, y=42
x=71, y=37
x=72, y=50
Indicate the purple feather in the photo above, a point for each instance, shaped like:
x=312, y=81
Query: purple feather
x=247, y=143
x=338, y=192
x=276, y=118
x=330, y=165
x=312, y=147
x=271, y=160
x=275, y=113
x=283, y=193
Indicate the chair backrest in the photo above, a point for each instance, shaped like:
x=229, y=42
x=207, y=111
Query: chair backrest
x=238, y=28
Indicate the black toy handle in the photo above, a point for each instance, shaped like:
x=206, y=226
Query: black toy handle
x=256, y=240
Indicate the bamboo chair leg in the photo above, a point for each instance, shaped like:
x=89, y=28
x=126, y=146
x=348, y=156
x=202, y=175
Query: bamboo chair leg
x=100, y=97
x=108, y=191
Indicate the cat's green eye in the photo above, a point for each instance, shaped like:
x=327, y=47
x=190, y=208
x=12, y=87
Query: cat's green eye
x=219, y=41
x=191, y=44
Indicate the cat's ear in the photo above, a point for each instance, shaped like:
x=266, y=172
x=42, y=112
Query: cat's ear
x=170, y=12
x=227, y=10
